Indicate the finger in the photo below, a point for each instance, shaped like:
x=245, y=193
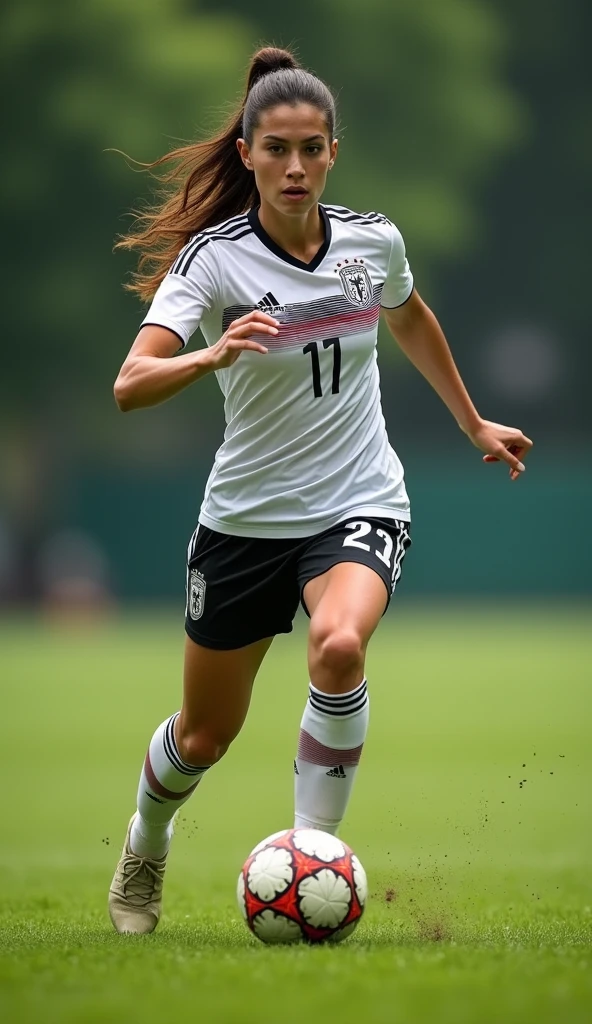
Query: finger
x=243, y=330
x=239, y=344
x=506, y=455
x=520, y=451
x=523, y=442
x=256, y=315
x=513, y=449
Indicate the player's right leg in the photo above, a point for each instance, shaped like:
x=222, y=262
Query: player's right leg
x=217, y=689
x=241, y=591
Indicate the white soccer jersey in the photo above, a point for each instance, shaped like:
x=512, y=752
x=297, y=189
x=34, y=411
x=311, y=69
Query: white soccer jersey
x=305, y=445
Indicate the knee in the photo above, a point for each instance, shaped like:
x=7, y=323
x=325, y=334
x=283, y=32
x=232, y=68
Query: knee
x=198, y=747
x=337, y=650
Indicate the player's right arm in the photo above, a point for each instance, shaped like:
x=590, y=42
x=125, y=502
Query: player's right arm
x=150, y=375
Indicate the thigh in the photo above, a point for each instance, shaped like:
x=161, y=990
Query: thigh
x=378, y=545
x=347, y=599
x=217, y=687
x=239, y=589
x=346, y=587
x=346, y=604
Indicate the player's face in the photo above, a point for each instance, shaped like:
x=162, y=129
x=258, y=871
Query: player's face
x=290, y=155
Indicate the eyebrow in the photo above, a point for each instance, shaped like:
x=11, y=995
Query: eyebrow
x=279, y=139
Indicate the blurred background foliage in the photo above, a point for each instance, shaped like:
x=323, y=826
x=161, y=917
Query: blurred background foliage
x=466, y=121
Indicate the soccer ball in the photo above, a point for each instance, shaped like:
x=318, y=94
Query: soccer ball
x=302, y=885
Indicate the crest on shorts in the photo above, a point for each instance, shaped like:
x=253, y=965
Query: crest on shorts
x=356, y=283
x=197, y=594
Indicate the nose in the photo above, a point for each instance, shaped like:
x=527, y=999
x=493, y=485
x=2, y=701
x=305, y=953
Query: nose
x=295, y=168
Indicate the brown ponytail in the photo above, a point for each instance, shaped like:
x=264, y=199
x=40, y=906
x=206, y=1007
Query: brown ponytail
x=206, y=183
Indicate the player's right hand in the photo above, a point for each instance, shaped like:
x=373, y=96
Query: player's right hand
x=238, y=338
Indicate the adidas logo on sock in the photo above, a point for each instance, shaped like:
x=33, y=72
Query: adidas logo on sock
x=269, y=304
x=337, y=773
x=296, y=772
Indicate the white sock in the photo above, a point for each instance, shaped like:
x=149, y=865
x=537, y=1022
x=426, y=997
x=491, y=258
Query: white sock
x=166, y=783
x=332, y=734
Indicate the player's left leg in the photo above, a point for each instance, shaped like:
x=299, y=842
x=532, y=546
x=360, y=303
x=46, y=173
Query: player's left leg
x=346, y=590
x=345, y=604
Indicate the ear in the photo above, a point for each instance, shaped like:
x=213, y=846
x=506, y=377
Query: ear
x=244, y=152
x=334, y=148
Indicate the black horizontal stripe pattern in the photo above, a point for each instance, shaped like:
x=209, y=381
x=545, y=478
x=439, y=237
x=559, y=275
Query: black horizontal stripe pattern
x=341, y=713
x=340, y=698
x=332, y=702
x=170, y=749
x=344, y=326
x=304, y=312
x=339, y=704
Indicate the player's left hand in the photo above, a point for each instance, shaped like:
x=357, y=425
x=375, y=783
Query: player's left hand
x=502, y=444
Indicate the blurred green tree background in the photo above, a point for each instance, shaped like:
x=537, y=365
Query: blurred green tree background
x=116, y=73
x=466, y=121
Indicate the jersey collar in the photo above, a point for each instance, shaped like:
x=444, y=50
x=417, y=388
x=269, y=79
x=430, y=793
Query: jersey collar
x=253, y=218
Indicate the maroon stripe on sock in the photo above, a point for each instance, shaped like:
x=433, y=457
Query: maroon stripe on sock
x=311, y=750
x=154, y=784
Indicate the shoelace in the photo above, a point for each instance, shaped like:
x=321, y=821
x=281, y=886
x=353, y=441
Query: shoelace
x=142, y=880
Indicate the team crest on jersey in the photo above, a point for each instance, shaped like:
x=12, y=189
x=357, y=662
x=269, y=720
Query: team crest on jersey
x=356, y=283
x=197, y=594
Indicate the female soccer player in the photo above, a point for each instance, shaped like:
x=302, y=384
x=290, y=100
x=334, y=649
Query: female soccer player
x=306, y=499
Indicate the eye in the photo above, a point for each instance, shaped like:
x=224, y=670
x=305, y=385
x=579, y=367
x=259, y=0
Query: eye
x=275, y=148
x=313, y=149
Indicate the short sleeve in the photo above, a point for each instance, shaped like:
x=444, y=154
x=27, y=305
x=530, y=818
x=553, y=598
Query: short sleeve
x=399, y=279
x=187, y=292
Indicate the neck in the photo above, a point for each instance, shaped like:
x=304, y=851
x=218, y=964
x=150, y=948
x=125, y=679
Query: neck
x=301, y=234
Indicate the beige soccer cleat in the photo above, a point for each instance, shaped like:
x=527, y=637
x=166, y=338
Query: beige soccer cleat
x=135, y=896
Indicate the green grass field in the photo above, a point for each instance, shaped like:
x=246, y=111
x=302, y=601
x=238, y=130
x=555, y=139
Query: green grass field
x=481, y=902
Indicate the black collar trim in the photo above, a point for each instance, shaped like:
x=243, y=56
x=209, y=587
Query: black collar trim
x=253, y=218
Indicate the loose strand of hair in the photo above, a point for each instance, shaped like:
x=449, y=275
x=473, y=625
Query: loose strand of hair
x=204, y=183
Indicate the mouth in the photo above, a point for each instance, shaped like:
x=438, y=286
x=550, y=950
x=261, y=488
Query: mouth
x=295, y=191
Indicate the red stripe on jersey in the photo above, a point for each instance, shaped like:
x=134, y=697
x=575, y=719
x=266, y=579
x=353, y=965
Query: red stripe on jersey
x=323, y=327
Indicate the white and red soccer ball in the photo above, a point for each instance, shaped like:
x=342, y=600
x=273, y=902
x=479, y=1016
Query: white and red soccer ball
x=302, y=885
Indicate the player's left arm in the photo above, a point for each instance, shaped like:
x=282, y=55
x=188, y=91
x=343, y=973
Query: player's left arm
x=419, y=335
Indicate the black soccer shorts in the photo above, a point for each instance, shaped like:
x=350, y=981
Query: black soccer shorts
x=242, y=589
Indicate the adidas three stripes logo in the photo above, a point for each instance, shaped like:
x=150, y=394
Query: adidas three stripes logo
x=269, y=304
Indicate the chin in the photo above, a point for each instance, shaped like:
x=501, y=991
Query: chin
x=288, y=206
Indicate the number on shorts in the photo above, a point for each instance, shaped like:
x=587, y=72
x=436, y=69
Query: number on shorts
x=385, y=556
x=362, y=529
